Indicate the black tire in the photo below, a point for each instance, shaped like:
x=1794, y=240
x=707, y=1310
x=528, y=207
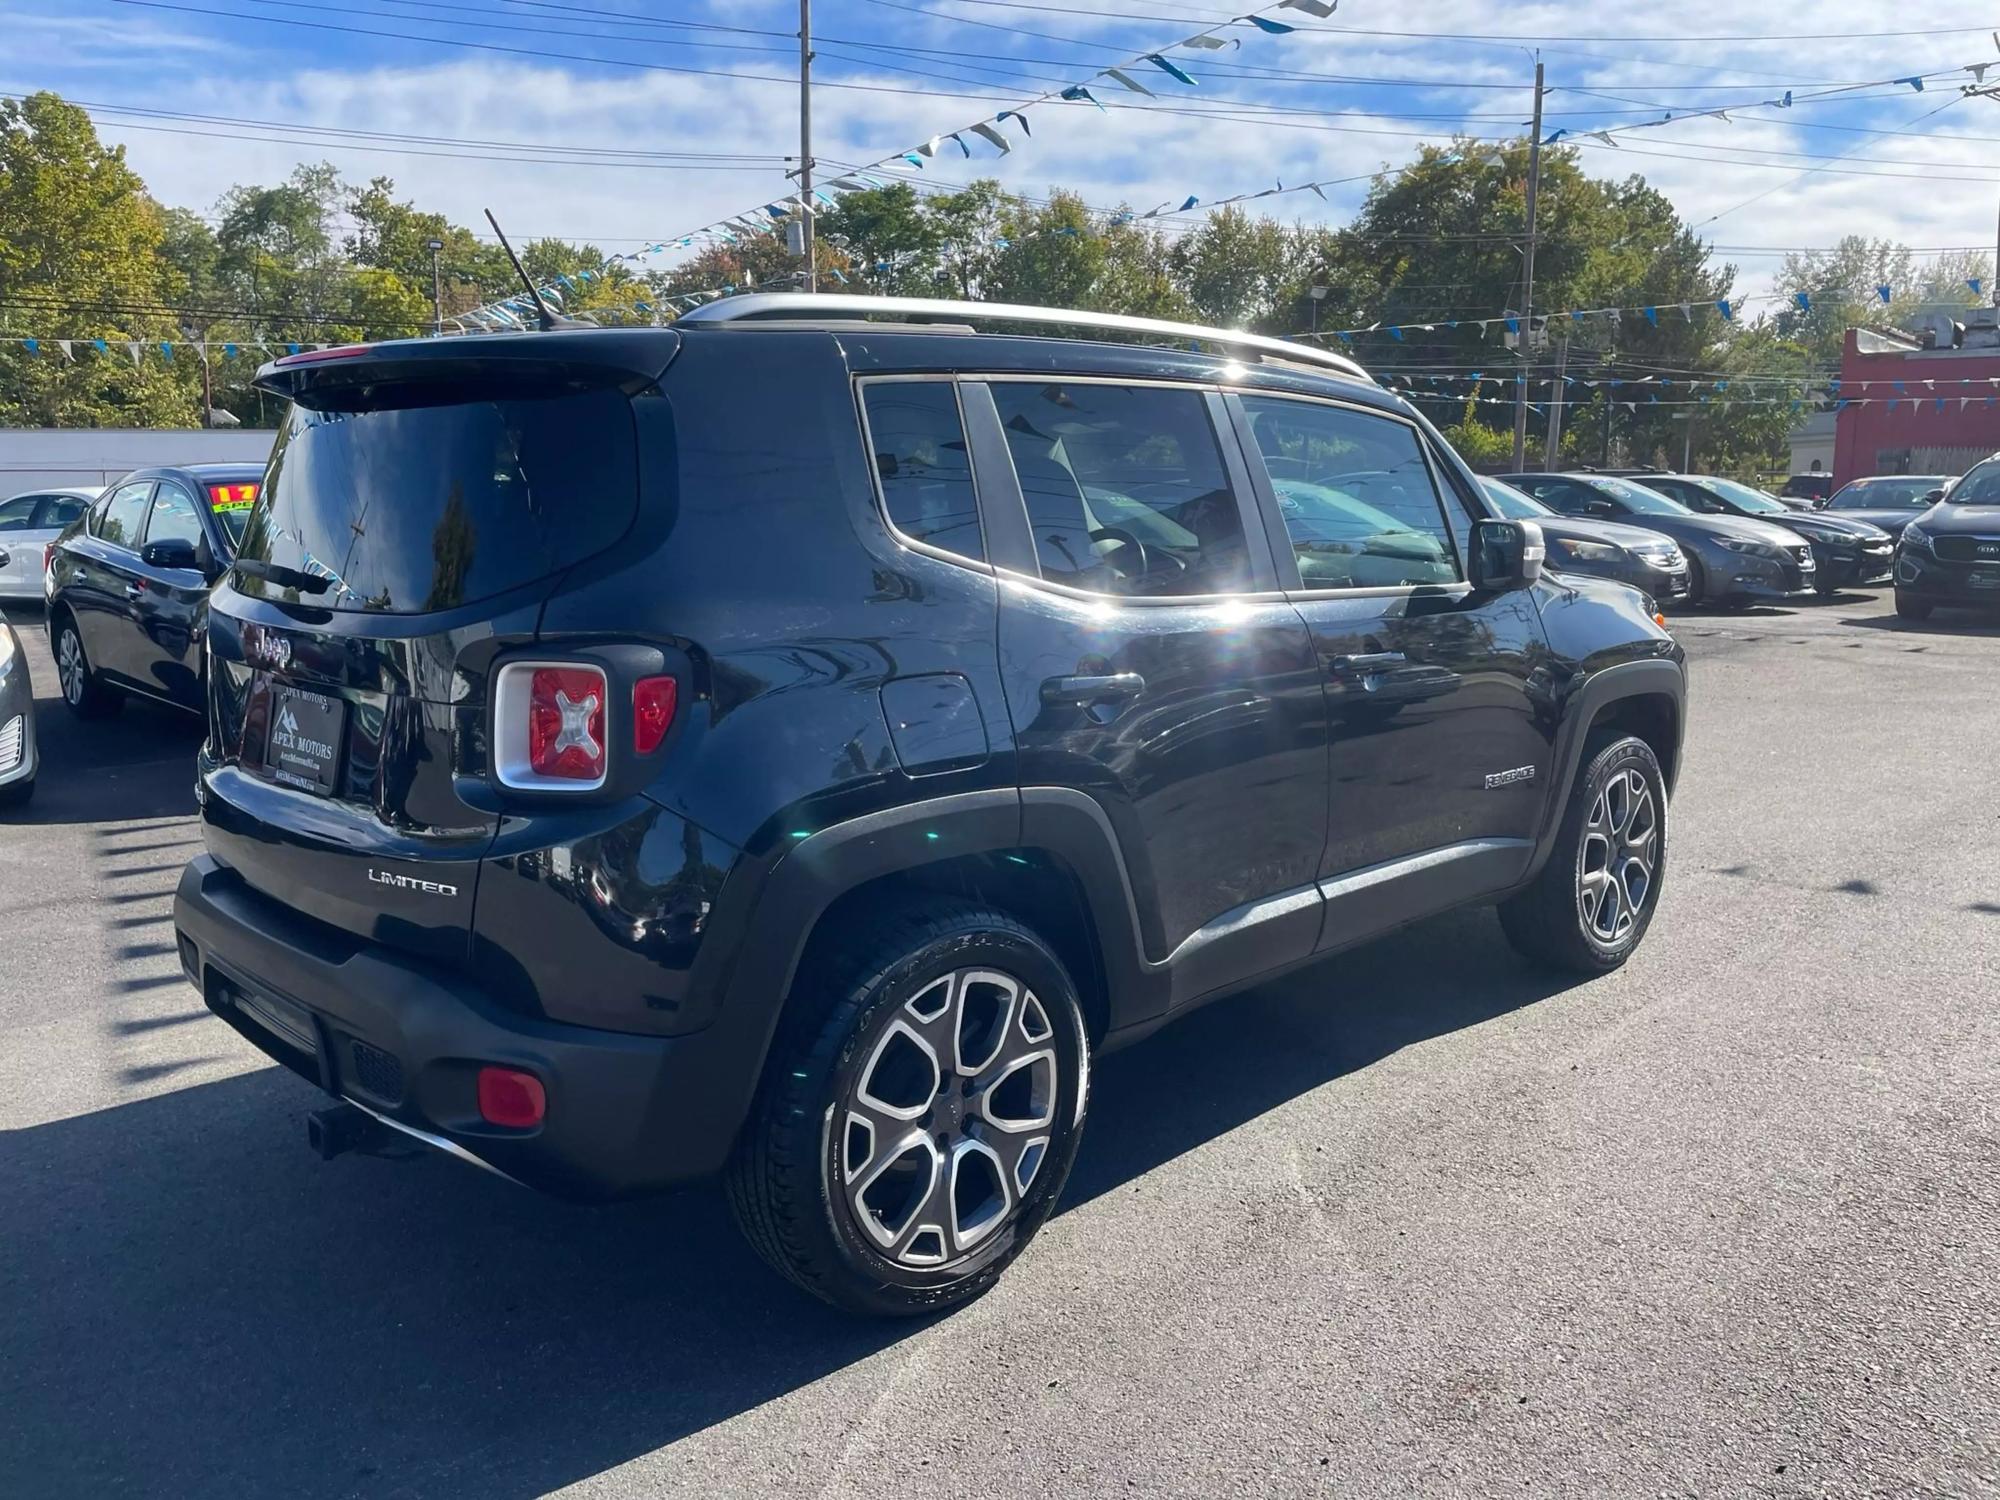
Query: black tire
x=17, y=793
x=794, y=1169
x=1553, y=921
x=1697, y=582
x=1913, y=609
x=83, y=694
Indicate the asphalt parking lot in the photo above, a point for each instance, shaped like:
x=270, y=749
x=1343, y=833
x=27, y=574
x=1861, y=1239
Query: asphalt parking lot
x=1420, y=1221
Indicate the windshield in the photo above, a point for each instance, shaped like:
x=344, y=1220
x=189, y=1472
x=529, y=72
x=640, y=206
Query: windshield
x=1906, y=492
x=1743, y=497
x=1512, y=503
x=1637, y=497
x=1981, y=486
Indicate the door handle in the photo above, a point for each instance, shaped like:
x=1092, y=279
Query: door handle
x=1060, y=691
x=1378, y=662
x=135, y=591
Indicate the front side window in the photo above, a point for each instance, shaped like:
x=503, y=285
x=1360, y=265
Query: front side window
x=1357, y=494
x=1125, y=487
x=18, y=514
x=60, y=511
x=921, y=462
x=1887, y=494
x=125, y=514
x=174, y=517
x=1981, y=485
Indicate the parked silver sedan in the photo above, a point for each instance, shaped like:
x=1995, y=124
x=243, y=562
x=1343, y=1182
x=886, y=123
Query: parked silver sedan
x=28, y=523
x=17, y=717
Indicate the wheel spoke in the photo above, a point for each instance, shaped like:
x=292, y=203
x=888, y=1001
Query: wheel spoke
x=981, y=1192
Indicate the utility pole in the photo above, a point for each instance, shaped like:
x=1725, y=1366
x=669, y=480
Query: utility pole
x=437, y=289
x=1528, y=271
x=1550, y=459
x=806, y=142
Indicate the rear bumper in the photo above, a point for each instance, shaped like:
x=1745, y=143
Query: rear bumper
x=626, y=1114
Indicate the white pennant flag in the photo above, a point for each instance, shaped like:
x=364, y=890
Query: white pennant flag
x=1316, y=192
x=987, y=132
x=132, y=348
x=1130, y=82
x=929, y=147
x=1687, y=312
x=68, y=353
x=1311, y=7
x=1205, y=43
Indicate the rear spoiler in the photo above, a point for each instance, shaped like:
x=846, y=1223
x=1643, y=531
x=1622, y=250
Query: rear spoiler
x=634, y=357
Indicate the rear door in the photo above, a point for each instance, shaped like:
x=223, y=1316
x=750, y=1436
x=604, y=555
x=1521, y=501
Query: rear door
x=1439, y=751
x=406, y=538
x=1153, y=662
x=105, y=582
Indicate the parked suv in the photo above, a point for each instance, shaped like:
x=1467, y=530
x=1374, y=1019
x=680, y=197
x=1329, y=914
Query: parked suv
x=1950, y=554
x=793, y=744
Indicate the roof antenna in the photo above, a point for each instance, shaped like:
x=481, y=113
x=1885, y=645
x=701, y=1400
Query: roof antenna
x=544, y=314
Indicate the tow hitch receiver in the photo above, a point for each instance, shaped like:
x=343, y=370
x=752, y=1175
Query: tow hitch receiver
x=340, y=1128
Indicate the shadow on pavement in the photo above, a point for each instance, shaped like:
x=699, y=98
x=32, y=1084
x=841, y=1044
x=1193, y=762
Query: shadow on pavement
x=190, y=1303
x=1946, y=622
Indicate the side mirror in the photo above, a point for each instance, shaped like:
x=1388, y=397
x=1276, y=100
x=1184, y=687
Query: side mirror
x=171, y=553
x=5, y=557
x=1506, y=555
x=1601, y=508
x=1934, y=496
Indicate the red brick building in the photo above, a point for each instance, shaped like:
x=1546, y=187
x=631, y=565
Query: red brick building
x=1946, y=415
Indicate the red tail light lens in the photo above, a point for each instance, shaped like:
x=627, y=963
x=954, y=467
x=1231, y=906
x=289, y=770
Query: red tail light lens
x=510, y=1097
x=566, y=724
x=653, y=701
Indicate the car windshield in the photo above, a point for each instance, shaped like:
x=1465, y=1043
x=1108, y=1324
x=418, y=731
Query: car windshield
x=1981, y=486
x=1636, y=497
x=1743, y=497
x=1512, y=503
x=1905, y=492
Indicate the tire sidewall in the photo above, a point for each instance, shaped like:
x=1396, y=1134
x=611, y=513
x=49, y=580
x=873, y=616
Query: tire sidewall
x=68, y=630
x=878, y=1280
x=1613, y=760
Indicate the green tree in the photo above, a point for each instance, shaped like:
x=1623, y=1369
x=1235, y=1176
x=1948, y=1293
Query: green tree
x=80, y=260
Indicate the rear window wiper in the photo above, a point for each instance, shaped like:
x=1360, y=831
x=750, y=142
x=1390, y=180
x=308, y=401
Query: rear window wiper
x=282, y=576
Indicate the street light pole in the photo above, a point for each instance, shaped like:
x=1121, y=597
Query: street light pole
x=437, y=289
x=806, y=142
x=1528, y=272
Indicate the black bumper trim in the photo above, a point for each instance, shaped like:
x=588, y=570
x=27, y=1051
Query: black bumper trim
x=627, y=1114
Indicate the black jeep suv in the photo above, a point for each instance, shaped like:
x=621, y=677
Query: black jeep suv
x=792, y=744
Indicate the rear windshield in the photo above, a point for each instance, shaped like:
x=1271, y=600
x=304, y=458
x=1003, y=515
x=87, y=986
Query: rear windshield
x=446, y=499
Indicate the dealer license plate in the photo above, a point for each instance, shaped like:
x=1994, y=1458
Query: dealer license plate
x=304, y=745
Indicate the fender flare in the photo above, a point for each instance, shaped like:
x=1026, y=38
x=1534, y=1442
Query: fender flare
x=1658, y=677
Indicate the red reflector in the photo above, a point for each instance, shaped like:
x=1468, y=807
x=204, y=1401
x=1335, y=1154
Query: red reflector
x=566, y=723
x=508, y=1096
x=653, y=701
x=314, y=356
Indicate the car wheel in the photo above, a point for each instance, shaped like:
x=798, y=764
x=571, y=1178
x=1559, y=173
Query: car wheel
x=1697, y=582
x=1913, y=609
x=86, y=696
x=921, y=1112
x=1594, y=899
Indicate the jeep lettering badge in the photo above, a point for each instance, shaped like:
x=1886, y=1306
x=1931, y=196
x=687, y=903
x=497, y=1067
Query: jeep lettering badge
x=410, y=883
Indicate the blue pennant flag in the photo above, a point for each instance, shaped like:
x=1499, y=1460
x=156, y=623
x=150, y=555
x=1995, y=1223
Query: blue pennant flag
x=1653, y=316
x=1915, y=83
x=914, y=160
x=1804, y=301
x=229, y=351
x=1728, y=312
x=1940, y=403
x=1396, y=333
x=100, y=346
x=31, y=345
x=1901, y=389
x=644, y=307
x=1513, y=325
x=291, y=348
x=1973, y=284
x=167, y=349
x=1885, y=293
x=1276, y=28
x=1015, y=114
x=1190, y=203
x=1169, y=69
x=1840, y=405
x=1076, y=93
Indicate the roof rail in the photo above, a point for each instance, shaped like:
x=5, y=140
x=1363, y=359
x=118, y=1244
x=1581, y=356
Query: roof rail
x=804, y=307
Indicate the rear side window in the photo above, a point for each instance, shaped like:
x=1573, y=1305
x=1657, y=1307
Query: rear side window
x=125, y=514
x=446, y=498
x=921, y=462
x=1356, y=493
x=60, y=511
x=1125, y=487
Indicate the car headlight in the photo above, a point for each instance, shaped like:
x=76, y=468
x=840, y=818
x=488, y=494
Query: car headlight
x=1661, y=554
x=1915, y=538
x=1747, y=548
x=1585, y=552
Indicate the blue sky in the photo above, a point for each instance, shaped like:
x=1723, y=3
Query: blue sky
x=1266, y=108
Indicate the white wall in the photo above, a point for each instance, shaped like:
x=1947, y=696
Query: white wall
x=33, y=458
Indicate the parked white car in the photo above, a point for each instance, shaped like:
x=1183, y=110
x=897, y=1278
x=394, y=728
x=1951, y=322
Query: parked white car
x=28, y=523
x=17, y=718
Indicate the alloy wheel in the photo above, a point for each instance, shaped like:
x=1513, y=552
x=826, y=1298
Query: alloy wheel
x=949, y=1120
x=1620, y=855
x=70, y=670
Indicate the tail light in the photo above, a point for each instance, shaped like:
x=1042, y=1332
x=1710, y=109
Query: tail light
x=48, y=556
x=509, y=1097
x=549, y=726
